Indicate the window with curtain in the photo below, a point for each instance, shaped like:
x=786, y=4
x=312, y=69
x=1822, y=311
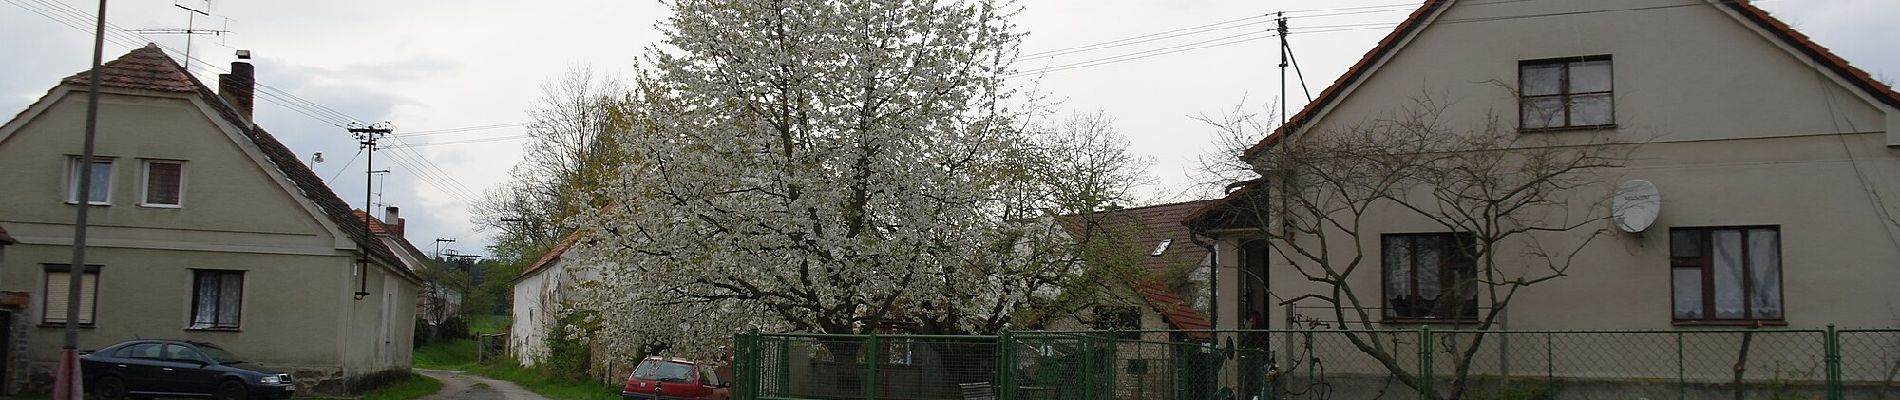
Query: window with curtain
x=101, y=184
x=164, y=183
x=1725, y=274
x=1571, y=92
x=1429, y=276
x=57, y=288
x=217, y=298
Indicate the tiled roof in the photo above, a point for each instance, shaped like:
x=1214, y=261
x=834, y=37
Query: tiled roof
x=379, y=228
x=149, y=68
x=1144, y=228
x=553, y=254
x=146, y=68
x=1416, y=21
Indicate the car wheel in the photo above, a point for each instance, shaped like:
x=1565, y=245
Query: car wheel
x=109, y=388
x=231, y=390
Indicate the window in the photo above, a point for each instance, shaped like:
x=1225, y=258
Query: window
x=1429, y=276
x=141, y=350
x=101, y=193
x=1572, y=92
x=58, y=281
x=164, y=184
x=216, y=298
x=1725, y=274
x=707, y=376
x=1125, y=320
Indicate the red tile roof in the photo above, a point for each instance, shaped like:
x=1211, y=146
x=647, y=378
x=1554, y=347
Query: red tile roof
x=1416, y=21
x=1144, y=228
x=148, y=68
x=553, y=254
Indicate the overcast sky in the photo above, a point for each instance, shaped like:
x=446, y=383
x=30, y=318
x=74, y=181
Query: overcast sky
x=427, y=67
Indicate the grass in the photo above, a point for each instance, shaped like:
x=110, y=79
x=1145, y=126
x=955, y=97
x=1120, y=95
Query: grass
x=414, y=387
x=459, y=355
x=553, y=387
x=453, y=355
x=485, y=324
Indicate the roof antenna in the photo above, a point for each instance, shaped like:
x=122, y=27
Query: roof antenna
x=191, y=28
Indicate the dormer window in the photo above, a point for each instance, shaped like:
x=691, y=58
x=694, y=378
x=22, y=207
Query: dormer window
x=1563, y=93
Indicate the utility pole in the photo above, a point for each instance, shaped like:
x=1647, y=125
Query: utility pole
x=438, y=246
x=66, y=381
x=1281, y=20
x=366, y=136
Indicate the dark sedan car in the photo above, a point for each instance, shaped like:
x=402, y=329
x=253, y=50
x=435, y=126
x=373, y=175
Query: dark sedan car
x=177, y=368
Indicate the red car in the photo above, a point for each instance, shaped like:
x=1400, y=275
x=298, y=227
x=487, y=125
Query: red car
x=674, y=379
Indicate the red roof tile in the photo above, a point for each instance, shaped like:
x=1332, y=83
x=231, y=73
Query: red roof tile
x=1145, y=228
x=553, y=254
x=1412, y=24
x=146, y=68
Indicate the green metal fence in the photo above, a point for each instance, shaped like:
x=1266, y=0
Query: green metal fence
x=1421, y=363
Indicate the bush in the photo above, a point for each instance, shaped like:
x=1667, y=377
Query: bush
x=421, y=335
x=568, y=352
x=453, y=328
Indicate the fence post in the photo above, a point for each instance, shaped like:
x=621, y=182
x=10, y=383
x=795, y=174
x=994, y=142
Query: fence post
x=1425, y=368
x=870, y=362
x=1682, y=369
x=1831, y=344
x=1005, y=367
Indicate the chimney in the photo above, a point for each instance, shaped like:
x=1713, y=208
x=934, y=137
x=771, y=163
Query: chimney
x=392, y=221
x=240, y=86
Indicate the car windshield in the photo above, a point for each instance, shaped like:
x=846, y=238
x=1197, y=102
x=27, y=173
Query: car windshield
x=218, y=354
x=664, y=371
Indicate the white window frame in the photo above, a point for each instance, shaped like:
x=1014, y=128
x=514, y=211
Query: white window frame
x=72, y=179
x=145, y=183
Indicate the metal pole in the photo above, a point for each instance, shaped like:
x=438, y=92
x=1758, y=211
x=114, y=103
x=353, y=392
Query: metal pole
x=67, y=380
x=1425, y=370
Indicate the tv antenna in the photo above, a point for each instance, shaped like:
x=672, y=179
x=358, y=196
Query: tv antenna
x=191, y=27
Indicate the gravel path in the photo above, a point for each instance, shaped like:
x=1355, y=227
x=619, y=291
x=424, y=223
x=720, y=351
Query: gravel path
x=460, y=386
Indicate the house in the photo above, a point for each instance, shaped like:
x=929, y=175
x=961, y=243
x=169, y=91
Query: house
x=204, y=227
x=435, y=301
x=539, y=291
x=1169, y=281
x=1777, y=164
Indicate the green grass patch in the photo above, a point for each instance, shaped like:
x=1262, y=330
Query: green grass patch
x=414, y=387
x=487, y=324
x=459, y=355
x=553, y=387
x=452, y=355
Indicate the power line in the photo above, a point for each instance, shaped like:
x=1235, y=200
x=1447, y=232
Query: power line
x=424, y=169
x=461, y=129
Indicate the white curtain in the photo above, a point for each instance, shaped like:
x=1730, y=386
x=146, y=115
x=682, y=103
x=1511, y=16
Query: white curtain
x=1764, y=256
x=1688, y=292
x=204, y=314
x=1728, y=275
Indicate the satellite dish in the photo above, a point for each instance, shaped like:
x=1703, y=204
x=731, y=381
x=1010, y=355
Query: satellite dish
x=1635, y=205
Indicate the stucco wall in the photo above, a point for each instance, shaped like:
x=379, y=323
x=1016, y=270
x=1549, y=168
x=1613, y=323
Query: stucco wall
x=298, y=313
x=528, y=328
x=1735, y=131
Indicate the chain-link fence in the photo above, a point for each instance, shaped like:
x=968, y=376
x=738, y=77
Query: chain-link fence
x=1325, y=364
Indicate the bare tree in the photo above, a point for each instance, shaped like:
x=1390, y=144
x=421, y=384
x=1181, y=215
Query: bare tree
x=1512, y=201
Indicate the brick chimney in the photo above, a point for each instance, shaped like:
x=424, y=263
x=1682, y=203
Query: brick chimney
x=392, y=221
x=240, y=86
